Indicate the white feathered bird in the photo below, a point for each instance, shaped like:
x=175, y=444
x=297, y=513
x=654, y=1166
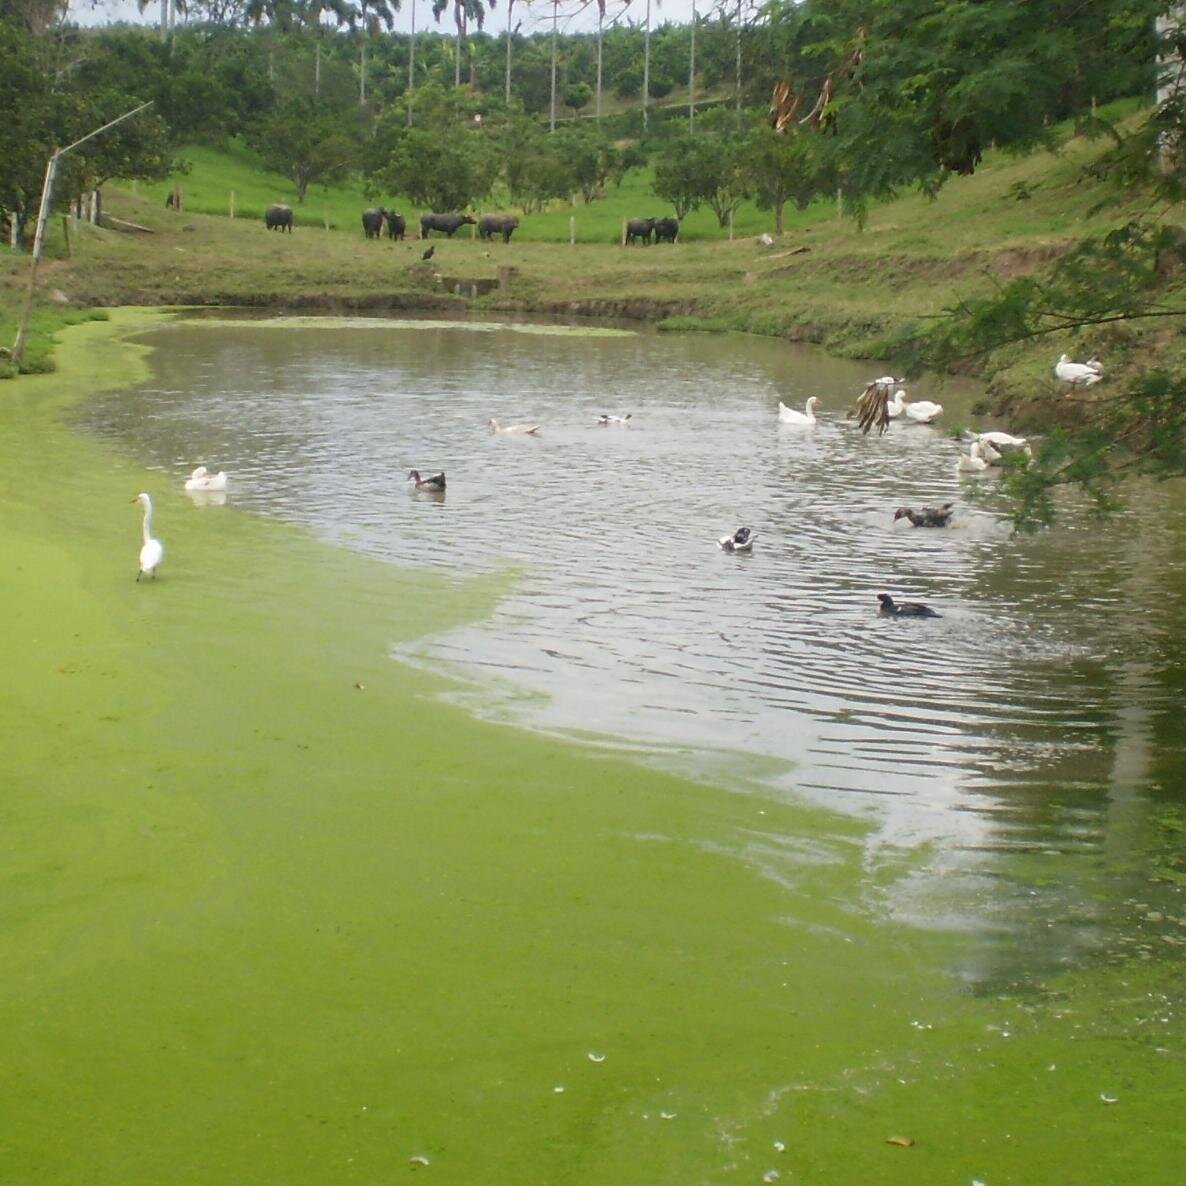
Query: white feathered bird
x=794, y=416
x=1078, y=374
x=152, y=552
x=202, y=480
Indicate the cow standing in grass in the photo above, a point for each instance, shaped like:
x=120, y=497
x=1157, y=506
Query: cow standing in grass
x=447, y=224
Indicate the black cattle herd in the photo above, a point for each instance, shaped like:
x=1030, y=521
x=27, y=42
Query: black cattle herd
x=279, y=217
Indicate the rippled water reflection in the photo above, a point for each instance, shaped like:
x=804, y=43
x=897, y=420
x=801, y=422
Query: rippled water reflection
x=1025, y=717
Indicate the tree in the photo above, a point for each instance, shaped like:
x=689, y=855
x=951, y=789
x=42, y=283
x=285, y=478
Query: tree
x=679, y=174
x=441, y=172
x=792, y=167
x=578, y=95
x=307, y=143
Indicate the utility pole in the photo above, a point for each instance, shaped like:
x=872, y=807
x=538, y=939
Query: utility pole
x=47, y=189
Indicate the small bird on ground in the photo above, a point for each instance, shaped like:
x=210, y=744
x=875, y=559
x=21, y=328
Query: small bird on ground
x=1079, y=374
x=906, y=609
x=742, y=540
x=428, y=252
x=435, y=483
x=928, y=516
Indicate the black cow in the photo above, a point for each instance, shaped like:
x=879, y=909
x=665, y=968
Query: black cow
x=278, y=217
x=666, y=229
x=372, y=222
x=447, y=223
x=396, y=225
x=490, y=225
x=639, y=228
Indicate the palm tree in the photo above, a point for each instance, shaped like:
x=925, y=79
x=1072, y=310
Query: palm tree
x=463, y=12
x=371, y=15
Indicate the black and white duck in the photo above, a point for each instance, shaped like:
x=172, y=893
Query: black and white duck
x=742, y=540
x=435, y=484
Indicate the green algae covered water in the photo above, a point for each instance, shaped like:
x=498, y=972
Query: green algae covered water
x=278, y=908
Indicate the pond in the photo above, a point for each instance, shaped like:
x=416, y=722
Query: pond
x=1029, y=737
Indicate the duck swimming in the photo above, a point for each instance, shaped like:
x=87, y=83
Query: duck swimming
x=434, y=484
x=742, y=540
x=530, y=429
x=203, y=480
x=928, y=516
x=906, y=609
x=605, y=420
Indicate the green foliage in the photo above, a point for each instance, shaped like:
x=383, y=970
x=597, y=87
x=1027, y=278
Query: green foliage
x=306, y=143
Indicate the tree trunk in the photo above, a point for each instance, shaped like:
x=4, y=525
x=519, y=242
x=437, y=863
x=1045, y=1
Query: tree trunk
x=646, y=72
x=692, y=75
x=510, y=7
x=738, y=57
x=362, y=72
x=552, y=109
x=411, y=63
x=600, y=20
x=779, y=203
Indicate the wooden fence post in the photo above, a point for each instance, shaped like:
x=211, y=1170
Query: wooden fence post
x=572, y=230
x=623, y=232
x=232, y=203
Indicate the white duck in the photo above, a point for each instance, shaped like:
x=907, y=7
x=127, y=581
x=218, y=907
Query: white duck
x=794, y=416
x=1078, y=374
x=202, y=480
x=606, y=420
x=979, y=458
x=1002, y=443
x=505, y=429
x=152, y=552
x=921, y=411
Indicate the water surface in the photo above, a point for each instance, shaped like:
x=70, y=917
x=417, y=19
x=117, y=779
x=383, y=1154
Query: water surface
x=1037, y=720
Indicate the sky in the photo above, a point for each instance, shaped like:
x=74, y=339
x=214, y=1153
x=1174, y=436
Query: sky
x=535, y=15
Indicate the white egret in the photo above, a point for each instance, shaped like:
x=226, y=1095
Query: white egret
x=152, y=552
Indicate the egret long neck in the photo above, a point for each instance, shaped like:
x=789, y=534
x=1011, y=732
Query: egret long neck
x=147, y=523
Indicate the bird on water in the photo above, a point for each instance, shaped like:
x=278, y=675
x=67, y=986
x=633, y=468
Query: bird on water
x=905, y=609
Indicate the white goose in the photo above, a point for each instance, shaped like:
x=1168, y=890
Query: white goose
x=794, y=416
x=1078, y=374
x=896, y=406
x=202, y=480
x=152, y=552
x=506, y=429
x=979, y=458
x=921, y=411
x=1002, y=443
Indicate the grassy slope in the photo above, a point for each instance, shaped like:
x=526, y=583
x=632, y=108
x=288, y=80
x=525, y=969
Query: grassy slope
x=827, y=280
